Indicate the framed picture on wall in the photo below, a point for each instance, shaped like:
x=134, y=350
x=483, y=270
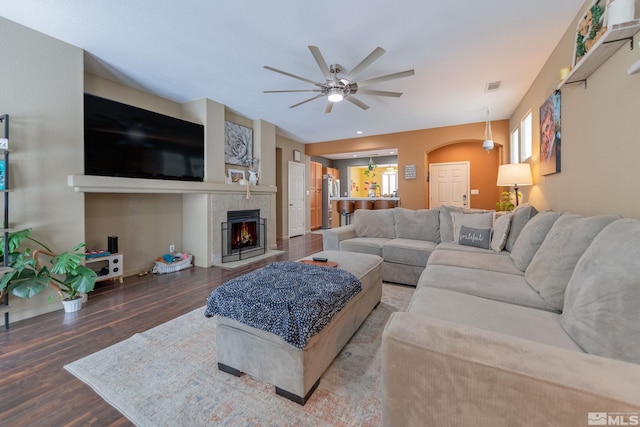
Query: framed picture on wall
x=238, y=144
x=550, y=135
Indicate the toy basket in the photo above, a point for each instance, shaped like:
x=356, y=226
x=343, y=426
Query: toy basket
x=162, y=267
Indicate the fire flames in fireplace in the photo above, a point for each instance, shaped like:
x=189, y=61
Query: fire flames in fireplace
x=244, y=234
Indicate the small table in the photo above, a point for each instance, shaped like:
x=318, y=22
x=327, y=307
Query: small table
x=319, y=263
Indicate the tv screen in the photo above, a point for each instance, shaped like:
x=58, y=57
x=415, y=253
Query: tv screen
x=125, y=141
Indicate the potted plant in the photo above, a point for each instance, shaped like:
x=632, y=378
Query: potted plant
x=370, y=172
x=505, y=204
x=28, y=277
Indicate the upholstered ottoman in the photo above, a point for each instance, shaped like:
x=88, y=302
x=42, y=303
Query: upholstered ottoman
x=296, y=372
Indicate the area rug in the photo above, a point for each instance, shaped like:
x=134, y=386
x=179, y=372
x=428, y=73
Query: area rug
x=168, y=376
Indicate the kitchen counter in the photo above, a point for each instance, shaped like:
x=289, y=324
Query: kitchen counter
x=386, y=203
x=397, y=199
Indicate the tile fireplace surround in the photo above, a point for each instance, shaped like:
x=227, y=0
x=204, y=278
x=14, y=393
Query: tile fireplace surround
x=223, y=202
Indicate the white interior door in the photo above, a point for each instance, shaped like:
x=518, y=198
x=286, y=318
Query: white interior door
x=449, y=184
x=296, y=199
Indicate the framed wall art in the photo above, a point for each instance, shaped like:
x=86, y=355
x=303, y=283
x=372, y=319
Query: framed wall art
x=550, y=135
x=238, y=144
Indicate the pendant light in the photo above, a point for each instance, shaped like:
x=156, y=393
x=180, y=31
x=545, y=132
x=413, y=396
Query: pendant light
x=487, y=144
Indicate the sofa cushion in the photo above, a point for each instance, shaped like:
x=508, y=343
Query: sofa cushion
x=446, y=222
x=451, y=246
x=481, y=219
x=408, y=251
x=504, y=287
x=476, y=237
x=519, y=218
x=501, y=228
x=495, y=316
x=603, y=295
x=421, y=224
x=531, y=238
x=552, y=266
x=374, y=223
x=364, y=245
x=490, y=261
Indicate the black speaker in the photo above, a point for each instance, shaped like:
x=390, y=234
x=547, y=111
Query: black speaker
x=112, y=244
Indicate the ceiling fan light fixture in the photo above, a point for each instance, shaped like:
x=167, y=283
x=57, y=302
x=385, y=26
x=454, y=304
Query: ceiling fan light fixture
x=335, y=95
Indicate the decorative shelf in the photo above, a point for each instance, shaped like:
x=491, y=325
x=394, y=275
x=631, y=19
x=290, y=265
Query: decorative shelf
x=602, y=50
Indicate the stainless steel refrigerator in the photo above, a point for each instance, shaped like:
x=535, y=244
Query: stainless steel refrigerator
x=330, y=189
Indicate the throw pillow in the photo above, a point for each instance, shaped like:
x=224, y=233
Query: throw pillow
x=476, y=237
x=531, y=237
x=446, y=222
x=602, y=298
x=519, y=218
x=374, y=223
x=500, y=232
x=480, y=219
x=421, y=224
x=551, y=267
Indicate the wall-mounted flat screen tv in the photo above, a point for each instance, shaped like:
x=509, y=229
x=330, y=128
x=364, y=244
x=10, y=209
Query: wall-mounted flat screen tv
x=125, y=141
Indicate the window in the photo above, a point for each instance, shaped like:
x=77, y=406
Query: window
x=526, y=138
x=389, y=182
x=515, y=146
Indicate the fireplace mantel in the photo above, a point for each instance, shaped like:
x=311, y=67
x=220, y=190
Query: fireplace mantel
x=106, y=184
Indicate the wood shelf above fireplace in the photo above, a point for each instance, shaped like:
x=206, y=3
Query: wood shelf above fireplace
x=106, y=184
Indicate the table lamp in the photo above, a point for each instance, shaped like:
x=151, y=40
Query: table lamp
x=516, y=175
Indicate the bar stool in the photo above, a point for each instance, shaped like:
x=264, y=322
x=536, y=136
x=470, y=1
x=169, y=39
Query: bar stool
x=363, y=204
x=345, y=209
x=384, y=204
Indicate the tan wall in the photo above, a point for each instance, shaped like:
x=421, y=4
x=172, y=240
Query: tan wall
x=600, y=129
x=483, y=170
x=412, y=148
x=145, y=224
x=284, y=155
x=41, y=85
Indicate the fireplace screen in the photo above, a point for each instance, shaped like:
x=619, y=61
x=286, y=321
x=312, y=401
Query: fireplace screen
x=244, y=235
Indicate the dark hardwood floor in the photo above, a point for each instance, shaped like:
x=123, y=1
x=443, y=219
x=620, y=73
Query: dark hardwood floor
x=35, y=389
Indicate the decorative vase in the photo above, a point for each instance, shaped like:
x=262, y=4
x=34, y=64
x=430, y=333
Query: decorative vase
x=619, y=11
x=253, y=178
x=73, y=305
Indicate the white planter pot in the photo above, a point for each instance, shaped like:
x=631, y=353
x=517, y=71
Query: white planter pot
x=619, y=11
x=71, y=306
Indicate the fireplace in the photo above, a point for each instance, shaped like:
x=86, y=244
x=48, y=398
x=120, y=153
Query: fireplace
x=244, y=235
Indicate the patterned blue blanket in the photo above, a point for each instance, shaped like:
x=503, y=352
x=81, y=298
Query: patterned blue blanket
x=289, y=299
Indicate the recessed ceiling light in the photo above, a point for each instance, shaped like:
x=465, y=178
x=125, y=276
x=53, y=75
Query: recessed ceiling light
x=355, y=155
x=359, y=132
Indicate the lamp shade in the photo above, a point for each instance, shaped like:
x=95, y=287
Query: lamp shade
x=514, y=174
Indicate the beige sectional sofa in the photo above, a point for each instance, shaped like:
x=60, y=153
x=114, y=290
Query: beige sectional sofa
x=545, y=331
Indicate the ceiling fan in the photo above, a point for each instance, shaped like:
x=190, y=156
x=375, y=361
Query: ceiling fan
x=338, y=86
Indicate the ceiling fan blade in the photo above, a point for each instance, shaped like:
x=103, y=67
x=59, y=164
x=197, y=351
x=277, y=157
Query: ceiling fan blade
x=328, y=108
x=284, y=91
x=292, y=75
x=307, y=100
x=381, y=79
x=352, y=99
x=321, y=62
x=379, y=93
x=377, y=53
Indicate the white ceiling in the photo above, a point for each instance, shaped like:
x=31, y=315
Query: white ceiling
x=187, y=50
